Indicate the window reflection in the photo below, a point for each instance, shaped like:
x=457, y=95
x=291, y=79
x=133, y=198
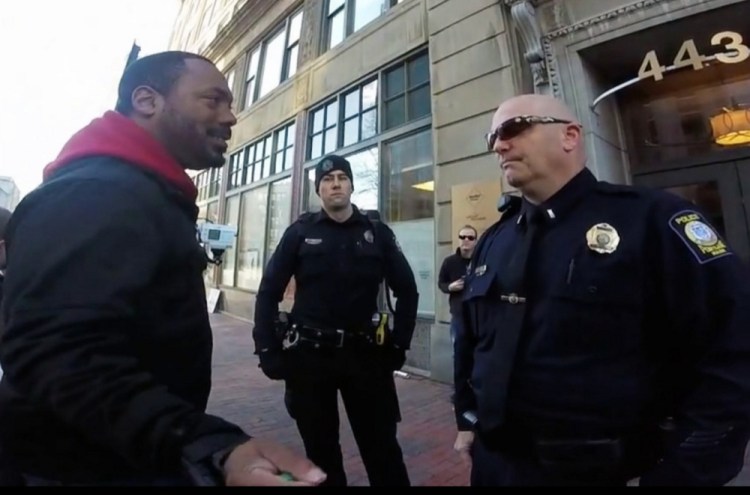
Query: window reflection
x=232, y=217
x=411, y=207
x=669, y=120
x=252, y=238
x=280, y=214
x=366, y=173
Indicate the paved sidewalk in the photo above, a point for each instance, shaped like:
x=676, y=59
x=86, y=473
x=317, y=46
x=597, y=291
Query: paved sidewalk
x=242, y=394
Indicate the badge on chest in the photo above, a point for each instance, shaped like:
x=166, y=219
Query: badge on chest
x=603, y=238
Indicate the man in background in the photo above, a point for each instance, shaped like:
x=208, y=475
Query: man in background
x=453, y=272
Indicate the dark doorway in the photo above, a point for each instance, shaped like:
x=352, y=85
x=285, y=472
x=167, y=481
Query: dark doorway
x=720, y=190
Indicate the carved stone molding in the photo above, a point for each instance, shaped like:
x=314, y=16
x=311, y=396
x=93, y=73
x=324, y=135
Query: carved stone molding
x=509, y=3
x=552, y=70
x=605, y=16
x=548, y=48
x=523, y=13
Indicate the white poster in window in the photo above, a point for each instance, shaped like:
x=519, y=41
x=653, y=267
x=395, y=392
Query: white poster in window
x=417, y=240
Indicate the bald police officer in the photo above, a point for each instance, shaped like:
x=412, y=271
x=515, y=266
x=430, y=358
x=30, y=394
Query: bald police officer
x=608, y=327
x=338, y=342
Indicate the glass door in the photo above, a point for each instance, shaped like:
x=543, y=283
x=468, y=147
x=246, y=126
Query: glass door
x=718, y=191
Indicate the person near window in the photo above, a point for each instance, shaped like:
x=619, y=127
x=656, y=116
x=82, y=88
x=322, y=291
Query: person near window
x=606, y=326
x=338, y=340
x=453, y=272
x=107, y=345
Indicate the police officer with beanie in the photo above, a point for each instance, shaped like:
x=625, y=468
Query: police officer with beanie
x=336, y=339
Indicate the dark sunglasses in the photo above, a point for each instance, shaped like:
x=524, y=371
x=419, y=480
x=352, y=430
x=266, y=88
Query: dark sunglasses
x=515, y=126
x=469, y=237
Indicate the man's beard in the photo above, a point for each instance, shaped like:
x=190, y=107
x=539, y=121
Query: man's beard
x=189, y=144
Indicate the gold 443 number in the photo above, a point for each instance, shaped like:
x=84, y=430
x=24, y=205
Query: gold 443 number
x=736, y=51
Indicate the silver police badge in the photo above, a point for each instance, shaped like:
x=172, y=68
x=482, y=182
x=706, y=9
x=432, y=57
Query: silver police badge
x=369, y=237
x=327, y=166
x=603, y=238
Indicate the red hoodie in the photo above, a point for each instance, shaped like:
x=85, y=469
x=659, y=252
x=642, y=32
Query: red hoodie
x=117, y=136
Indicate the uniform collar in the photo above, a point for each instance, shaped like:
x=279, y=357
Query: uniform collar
x=357, y=216
x=564, y=200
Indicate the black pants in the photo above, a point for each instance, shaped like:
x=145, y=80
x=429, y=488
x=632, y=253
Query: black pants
x=9, y=474
x=369, y=395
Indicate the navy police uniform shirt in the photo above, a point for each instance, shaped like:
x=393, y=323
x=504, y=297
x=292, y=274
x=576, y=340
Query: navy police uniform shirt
x=635, y=309
x=338, y=268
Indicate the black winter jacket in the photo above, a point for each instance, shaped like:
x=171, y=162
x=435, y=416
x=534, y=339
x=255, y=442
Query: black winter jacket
x=107, y=347
x=453, y=268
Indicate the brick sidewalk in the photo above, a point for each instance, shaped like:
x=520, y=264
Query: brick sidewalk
x=242, y=394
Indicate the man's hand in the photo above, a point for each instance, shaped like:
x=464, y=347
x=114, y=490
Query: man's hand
x=462, y=445
x=260, y=463
x=456, y=285
x=273, y=363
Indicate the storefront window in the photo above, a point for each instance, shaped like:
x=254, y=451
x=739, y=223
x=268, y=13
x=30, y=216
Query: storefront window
x=312, y=201
x=252, y=238
x=411, y=206
x=410, y=178
x=229, y=260
x=212, y=212
x=366, y=174
x=280, y=212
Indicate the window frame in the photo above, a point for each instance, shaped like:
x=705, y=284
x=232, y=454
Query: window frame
x=247, y=158
x=266, y=184
x=251, y=97
x=408, y=89
x=349, y=12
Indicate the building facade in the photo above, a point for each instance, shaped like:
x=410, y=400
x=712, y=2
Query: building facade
x=406, y=89
x=10, y=195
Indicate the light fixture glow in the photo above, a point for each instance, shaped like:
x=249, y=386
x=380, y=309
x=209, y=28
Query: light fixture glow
x=731, y=127
x=425, y=186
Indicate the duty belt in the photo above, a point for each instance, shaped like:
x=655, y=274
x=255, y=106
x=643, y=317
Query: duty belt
x=319, y=338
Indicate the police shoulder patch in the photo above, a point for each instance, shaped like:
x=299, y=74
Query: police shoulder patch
x=699, y=236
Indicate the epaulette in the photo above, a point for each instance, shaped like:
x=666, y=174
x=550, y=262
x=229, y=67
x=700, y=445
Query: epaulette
x=509, y=203
x=306, y=217
x=617, y=189
x=371, y=215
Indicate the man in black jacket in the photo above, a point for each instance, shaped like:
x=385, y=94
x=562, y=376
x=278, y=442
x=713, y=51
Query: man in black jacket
x=4, y=218
x=8, y=475
x=107, y=347
x=453, y=272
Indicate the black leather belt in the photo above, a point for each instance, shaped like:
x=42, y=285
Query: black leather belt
x=319, y=338
x=603, y=454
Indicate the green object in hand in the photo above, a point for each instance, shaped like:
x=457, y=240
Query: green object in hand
x=286, y=476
